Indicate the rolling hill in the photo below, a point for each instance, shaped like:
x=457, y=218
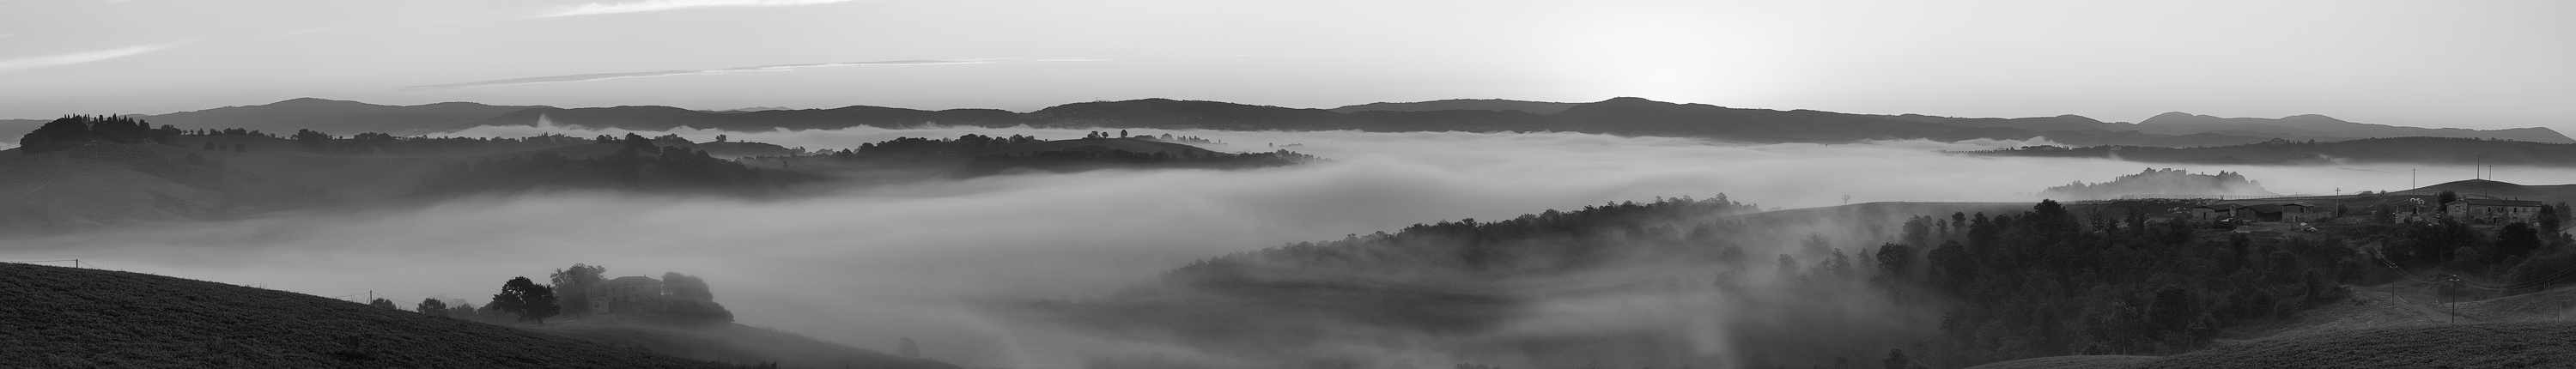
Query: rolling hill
x=67, y=317
x=1533, y=107
x=1621, y=116
x=2320, y=127
x=2418, y=150
x=336, y=116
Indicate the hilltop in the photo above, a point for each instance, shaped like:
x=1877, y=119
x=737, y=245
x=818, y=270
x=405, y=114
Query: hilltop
x=1533, y=107
x=66, y=317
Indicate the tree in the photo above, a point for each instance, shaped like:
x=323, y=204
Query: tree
x=1896, y=360
x=908, y=349
x=530, y=300
x=383, y=303
x=432, y=307
x=720, y=138
x=2514, y=240
x=2551, y=222
x=687, y=297
x=2445, y=198
x=683, y=286
x=574, y=285
x=1122, y=133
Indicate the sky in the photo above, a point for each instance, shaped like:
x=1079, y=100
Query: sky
x=2486, y=64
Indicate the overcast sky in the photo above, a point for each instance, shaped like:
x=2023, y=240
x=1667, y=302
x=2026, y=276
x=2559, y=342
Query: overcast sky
x=2482, y=64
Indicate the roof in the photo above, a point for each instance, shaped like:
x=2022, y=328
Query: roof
x=2499, y=202
x=630, y=280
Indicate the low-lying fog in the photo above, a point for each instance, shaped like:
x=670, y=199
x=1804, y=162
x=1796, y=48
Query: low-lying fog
x=865, y=266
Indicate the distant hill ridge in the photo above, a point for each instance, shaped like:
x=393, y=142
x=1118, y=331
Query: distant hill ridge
x=1622, y=116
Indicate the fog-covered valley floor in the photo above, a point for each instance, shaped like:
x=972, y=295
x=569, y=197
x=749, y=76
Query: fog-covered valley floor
x=866, y=265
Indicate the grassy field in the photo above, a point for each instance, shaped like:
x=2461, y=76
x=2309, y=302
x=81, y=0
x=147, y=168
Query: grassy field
x=2480, y=345
x=84, y=318
x=2070, y=362
x=725, y=342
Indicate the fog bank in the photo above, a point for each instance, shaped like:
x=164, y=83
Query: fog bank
x=868, y=264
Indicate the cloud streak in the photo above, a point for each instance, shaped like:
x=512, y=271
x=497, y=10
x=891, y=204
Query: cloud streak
x=661, y=5
x=604, y=76
x=77, y=58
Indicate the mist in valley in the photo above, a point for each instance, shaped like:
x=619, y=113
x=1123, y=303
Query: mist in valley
x=867, y=264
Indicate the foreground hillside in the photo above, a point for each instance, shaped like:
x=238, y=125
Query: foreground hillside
x=2478, y=345
x=66, y=317
x=726, y=342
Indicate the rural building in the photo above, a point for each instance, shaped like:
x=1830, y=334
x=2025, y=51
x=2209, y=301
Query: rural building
x=2214, y=211
x=2282, y=212
x=630, y=294
x=2492, y=211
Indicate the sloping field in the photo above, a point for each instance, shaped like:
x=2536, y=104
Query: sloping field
x=2070, y=362
x=726, y=343
x=2478, y=345
x=86, y=318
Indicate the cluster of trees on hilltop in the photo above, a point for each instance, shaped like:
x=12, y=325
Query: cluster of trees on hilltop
x=2159, y=182
x=682, y=297
x=71, y=130
x=626, y=168
x=1081, y=159
x=967, y=144
x=372, y=143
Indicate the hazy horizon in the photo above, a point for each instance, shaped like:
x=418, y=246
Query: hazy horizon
x=2487, y=65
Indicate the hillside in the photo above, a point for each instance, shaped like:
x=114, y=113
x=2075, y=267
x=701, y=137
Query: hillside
x=317, y=114
x=1621, y=116
x=2468, y=345
x=2312, y=126
x=1533, y=107
x=2480, y=188
x=2070, y=362
x=2417, y=150
x=66, y=317
x=726, y=342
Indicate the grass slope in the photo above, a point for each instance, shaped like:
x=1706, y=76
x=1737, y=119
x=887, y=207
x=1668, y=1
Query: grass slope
x=65, y=317
x=2070, y=362
x=727, y=342
x=2480, y=345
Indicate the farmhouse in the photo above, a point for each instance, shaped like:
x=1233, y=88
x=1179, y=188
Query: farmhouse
x=630, y=294
x=2214, y=211
x=2492, y=211
x=2282, y=212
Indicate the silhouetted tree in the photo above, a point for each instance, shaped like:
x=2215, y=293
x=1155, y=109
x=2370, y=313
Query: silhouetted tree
x=1896, y=360
x=2445, y=198
x=530, y=300
x=432, y=307
x=908, y=349
x=383, y=304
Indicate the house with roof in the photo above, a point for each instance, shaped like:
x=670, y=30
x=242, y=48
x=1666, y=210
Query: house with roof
x=2214, y=211
x=2492, y=211
x=629, y=294
x=2292, y=212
